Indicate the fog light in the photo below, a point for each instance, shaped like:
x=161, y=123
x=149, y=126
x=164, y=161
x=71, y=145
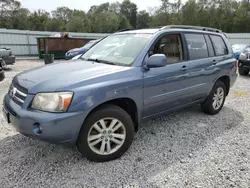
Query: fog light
x=240, y=64
x=37, y=128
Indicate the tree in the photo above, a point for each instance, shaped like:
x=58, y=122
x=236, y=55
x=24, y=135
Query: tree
x=165, y=8
x=228, y=15
x=38, y=20
x=123, y=22
x=115, y=7
x=55, y=25
x=76, y=24
x=20, y=19
x=142, y=19
x=79, y=13
x=101, y=8
x=189, y=13
x=242, y=17
x=7, y=9
x=158, y=19
x=104, y=22
x=62, y=13
x=129, y=10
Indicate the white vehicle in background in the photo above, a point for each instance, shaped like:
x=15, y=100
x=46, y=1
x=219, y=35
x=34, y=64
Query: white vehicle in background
x=6, y=57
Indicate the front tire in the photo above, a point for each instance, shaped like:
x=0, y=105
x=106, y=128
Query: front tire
x=106, y=134
x=243, y=71
x=215, y=100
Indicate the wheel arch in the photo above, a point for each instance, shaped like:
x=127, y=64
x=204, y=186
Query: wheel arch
x=127, y=104
x=226, y=80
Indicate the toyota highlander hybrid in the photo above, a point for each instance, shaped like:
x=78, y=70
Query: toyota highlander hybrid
x=98, y=101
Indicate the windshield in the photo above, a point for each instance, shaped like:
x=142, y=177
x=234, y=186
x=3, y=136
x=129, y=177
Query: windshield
x=239, y=47
x=121, y=49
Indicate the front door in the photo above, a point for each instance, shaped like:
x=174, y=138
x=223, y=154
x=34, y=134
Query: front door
x=166, y=88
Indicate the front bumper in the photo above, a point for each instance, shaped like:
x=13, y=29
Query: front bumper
x=2, y=75
x=49, y=127
x=9, y=60
x=244, y=63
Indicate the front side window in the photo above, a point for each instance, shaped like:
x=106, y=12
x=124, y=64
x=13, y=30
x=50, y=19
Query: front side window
x=197, y=46
x=219, y=45
x=171, y=46
x=120, y=49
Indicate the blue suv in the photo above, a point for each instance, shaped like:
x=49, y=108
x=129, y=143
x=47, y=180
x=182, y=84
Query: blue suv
x=98, y=102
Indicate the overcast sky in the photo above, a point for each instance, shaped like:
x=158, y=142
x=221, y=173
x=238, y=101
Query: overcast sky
x=80, y=4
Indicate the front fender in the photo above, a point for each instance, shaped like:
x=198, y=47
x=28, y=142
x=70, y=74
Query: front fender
x=88, y=97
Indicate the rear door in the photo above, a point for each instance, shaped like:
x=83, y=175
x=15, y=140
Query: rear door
x=202, y=64
x=220, y=50
x=224, y=61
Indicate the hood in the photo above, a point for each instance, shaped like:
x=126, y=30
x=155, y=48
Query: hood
x=77, y=50
x=58, y=76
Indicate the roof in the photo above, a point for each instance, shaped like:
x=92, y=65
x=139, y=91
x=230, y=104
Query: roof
x=152, y=31
x=149, y=31
x=176, y=28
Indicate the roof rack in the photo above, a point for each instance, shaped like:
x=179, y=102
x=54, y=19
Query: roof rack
x=123, y=30
x=192, y=27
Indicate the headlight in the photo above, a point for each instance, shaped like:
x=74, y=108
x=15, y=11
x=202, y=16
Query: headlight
x=52, y=102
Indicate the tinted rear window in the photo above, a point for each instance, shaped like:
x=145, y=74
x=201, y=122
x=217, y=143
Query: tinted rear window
x=219, y=45
x=197, y=46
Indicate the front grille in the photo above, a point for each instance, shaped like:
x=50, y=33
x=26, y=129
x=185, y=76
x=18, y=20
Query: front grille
x=18, y=93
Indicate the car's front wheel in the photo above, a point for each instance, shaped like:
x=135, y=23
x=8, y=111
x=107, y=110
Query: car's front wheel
x=106, y=134
x=215, y=100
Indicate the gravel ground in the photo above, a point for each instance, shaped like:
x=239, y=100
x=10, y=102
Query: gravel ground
x=183, y=149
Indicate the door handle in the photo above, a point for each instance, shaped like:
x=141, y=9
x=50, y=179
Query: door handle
x=214, y=62
x=184, y=68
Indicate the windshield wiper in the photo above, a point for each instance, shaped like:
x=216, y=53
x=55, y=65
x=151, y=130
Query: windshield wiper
x=100, y=61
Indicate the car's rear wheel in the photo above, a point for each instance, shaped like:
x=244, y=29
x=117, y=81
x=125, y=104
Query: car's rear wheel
x=215, y=100
x=243, y=71
x=106, y=134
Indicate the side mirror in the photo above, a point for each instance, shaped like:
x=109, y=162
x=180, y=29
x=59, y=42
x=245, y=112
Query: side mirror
x=157, y=60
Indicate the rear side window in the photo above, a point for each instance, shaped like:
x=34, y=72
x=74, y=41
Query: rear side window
x=219, y=45
x=209, y=46
x=197, y=46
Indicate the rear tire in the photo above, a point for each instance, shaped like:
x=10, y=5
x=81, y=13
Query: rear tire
x=243, y=71
x=215, y=100
x=99, y=140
